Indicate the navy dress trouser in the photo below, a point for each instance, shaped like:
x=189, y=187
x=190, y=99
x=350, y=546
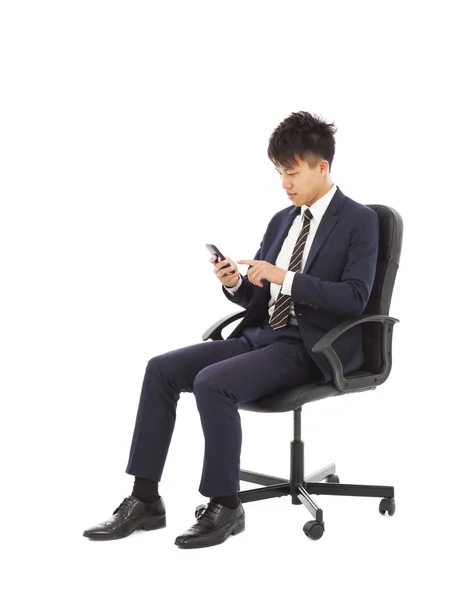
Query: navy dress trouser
x=222, y=374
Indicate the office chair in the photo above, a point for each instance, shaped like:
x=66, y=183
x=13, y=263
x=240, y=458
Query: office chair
x=377, y=347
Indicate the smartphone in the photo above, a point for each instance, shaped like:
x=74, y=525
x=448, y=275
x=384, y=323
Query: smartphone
x=214, y=250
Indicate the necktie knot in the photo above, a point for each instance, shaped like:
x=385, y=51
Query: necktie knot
x=307, y=214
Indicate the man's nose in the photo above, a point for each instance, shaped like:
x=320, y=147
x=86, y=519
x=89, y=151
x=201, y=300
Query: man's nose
x=286, y=181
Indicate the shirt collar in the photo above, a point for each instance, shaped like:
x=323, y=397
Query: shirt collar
x=319, y=207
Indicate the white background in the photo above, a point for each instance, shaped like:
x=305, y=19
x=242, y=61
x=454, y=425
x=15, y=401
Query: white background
x=132, y=134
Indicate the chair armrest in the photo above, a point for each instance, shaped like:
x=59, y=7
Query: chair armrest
x=214, y=332
x=358, y=383
x=343, y=384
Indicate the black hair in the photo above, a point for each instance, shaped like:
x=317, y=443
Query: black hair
x=305, y=136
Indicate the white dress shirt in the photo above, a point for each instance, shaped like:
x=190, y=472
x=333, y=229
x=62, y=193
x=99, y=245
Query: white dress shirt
x=317, y=209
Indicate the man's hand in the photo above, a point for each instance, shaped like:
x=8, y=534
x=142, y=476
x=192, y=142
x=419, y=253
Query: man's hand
x=261, y=269
x=224, y=273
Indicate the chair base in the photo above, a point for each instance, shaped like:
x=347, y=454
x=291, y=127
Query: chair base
x=300, y=487
x=300, y=491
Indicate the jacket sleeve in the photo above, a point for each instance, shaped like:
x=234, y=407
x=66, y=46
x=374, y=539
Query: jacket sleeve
x=235, y=288
x=350, y=295
x=243, y=294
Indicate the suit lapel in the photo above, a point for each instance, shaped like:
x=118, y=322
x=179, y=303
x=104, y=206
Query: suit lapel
x=327, y=223
x=324, y=229
x=282, y=232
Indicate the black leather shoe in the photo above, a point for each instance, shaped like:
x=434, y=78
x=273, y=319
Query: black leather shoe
x=215, y=523
x=130, y=515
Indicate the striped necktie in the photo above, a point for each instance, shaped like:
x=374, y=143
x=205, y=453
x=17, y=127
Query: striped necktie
x=280, y=315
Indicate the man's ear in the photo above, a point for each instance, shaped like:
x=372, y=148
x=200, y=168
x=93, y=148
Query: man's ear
x=324, y=167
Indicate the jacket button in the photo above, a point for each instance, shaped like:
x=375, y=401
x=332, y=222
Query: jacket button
x=299, y=314
x=311, y=305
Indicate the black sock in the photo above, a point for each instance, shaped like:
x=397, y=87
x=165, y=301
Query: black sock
x=228, y=501
x=145, y=489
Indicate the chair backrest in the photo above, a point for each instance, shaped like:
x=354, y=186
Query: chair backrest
x=390, y=247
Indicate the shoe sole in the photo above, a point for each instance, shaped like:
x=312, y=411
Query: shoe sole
x=128, y=530
x=238, y=529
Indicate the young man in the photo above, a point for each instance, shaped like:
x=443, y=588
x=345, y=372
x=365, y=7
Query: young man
x=315, y=268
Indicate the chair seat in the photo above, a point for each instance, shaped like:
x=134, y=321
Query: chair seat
x=293, y=398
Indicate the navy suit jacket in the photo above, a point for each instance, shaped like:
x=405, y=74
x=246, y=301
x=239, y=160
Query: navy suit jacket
x=335, y=284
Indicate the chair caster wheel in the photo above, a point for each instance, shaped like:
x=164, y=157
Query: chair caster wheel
x=387, y=504
x=332, y=479
x=199, y=509
x=314, y=529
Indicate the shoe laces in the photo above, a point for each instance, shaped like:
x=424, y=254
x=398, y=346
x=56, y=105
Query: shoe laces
x=208, y=511
x=125, y=503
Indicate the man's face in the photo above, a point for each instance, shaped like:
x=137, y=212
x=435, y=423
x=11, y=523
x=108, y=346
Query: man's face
x=308, y=184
